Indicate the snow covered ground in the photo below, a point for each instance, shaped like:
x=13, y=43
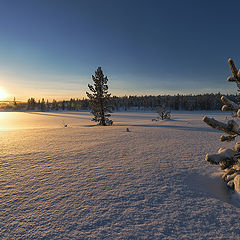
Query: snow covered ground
x=92, y=182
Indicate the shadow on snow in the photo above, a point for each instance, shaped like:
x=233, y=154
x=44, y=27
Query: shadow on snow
x=183, y=128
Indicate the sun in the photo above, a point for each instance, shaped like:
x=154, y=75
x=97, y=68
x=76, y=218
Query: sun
x=3, y=94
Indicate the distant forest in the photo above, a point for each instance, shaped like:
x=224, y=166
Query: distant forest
x=137, y=103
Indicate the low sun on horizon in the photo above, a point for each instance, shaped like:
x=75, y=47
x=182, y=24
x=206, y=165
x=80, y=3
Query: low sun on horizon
x=3, y=94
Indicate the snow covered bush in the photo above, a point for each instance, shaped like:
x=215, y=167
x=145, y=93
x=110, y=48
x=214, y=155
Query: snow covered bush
x=99, y=99
x=163, y=113
x=228, y=159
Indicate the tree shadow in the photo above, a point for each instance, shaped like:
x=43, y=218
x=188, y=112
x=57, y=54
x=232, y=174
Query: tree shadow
x=213, y=186
x=78, y=116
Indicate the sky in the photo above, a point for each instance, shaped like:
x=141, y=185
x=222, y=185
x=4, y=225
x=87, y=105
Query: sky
x=50, y=48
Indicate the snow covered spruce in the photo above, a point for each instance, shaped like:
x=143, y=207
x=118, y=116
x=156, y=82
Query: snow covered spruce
x=228, y=159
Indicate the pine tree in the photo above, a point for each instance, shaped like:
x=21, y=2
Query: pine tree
x=100, y=98
x=63, y=105
x=54, y=105
x=228, y=159
x=31, y=104
x=14, y=104
x=43, y=105
x=47, y=105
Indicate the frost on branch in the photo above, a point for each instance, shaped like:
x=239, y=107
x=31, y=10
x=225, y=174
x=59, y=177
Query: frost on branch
x=231, y=127
x=235, y=73
x=227, y=138
x=228, y=159
x=229, y=105
x=225, y=157
x=163, y=113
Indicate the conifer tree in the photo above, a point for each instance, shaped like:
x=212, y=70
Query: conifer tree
x=228, y=158
x=43, y=105
x=63, y=105
x=39, y=105
x=54, y=105
x=47, y=105
x=99, y=98
x=14, y=104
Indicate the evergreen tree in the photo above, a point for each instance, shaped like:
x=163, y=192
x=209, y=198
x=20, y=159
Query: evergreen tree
x=227, y=158
x=47, y=105
x=43, y=105
x=100, y=98
x=63, y=105
x=14, y=104
x=39, y=105
x=28, y=104
x=54, y=105
x=31, y=104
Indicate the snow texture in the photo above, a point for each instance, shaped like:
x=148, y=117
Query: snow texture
x=91, y=182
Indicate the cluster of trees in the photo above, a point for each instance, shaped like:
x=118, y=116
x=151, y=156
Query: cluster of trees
x=71, y=105
x=176, y=102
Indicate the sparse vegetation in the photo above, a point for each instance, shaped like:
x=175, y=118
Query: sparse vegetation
x=163, y=113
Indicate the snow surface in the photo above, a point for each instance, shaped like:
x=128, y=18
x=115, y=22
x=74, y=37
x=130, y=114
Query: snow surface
x=91, y=182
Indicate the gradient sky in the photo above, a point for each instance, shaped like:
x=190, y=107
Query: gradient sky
x=50, y=48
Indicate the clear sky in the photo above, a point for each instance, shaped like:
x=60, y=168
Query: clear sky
x=50, y=48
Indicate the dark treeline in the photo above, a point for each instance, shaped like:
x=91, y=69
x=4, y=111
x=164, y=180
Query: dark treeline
x=176, y=102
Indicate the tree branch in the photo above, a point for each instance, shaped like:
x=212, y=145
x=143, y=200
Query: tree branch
x=229, y=105
x=231, y=127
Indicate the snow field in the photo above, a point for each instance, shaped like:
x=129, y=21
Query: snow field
x=92, y=182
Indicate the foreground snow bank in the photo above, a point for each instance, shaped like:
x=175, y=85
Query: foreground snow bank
x=91, y=182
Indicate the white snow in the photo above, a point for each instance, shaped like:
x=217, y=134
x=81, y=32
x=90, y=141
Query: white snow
x=90, y=182
x=222, y=155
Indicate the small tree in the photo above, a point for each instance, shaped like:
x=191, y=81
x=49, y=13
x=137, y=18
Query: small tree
x=162, y=112
x=14, y=104
x=99, y=99
x=43, y=105
x=228, y=159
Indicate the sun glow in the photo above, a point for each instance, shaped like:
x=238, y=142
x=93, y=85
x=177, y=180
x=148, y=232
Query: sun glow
x=3, y=94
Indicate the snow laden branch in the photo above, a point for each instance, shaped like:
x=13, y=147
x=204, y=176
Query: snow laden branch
x=229, y=105
x=225, y=157
x=231, y=127
x=228, y=159
x=235, y=73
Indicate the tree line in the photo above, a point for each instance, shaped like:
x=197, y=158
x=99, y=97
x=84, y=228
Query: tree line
x=208, y=101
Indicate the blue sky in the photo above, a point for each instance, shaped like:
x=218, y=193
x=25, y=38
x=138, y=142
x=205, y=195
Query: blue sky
x=50, y=48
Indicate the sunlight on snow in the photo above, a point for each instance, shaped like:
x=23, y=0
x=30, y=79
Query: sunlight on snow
x=28, y=120
x=75, y=182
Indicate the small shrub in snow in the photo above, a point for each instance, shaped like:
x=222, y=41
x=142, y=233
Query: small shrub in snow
x=163, y=113
x=228, y=159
